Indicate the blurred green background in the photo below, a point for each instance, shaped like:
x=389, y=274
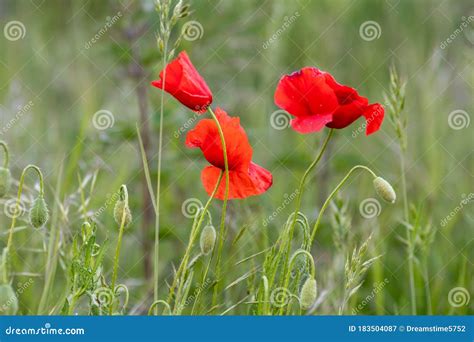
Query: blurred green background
x=66, y=81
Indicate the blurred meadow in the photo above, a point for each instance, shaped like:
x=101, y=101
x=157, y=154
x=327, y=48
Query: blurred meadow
x=73, y=59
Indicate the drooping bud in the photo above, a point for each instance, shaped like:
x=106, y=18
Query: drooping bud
x=384, y=190
x=308, y=294
x=39, y=213
x=5, y=181
x=208, y=239
x=122, y=210
x=8, y=300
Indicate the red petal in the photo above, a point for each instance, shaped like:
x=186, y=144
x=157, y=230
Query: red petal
x=308, y=124
x=374, y=115
x=256, y=180
x=305, y=93
x=185, y=84
x=206, y=137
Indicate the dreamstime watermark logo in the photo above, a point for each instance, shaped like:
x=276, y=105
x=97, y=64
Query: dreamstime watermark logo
x=103, y=296
x=103, y=119
x=184, y=127
x=109, y=22
x=288, y=199
x=190, y=207
x=14, y=30
x=370, y=30
x=368, y=120
x=459, y=296
x=192, y=30
x=197, y=291
x=465, y=200
x=287, y=21
x=378, y=287
x=18, y=115
x=459, y=119
x=111, y=199
x=280, y=119
x=464, y=26
x=370, y=208
x=12, y=209
x=280, y=297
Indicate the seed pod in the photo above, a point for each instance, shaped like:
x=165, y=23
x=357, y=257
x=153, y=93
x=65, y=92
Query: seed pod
x=121, y=208
x=208, y=239
x=308, y=294
x=8, y=300
x=5, y=181
x=39, y=213
x=384, y=190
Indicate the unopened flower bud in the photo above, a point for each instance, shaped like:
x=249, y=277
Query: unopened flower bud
x=308, y=294
x=384, y=190
x=122, y=210
x=208, y=239
x=39, y=213
x=5, y=181
x=8, y=300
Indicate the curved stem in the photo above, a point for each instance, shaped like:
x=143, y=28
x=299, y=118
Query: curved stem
x=328, y=200
x=192, y=238
x=7, y=154
x=155, y=304
x=123, y=197
x=18, y=199
x=222, y=230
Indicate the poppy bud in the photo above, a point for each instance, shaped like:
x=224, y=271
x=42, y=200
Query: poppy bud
x=122, y=208
x=8, y=300
x=384, y=190
x=308, y=294
x=5, y=181
x=208, y=239
x=39, y=214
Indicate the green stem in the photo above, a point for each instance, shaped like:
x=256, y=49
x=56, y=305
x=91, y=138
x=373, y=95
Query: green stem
x=298, y=200
x=158, y=182
x=123, y=197
x=204, y=278
x=222, y=230
x=18, y=200
x=192, y=239
x=7, y=154
x=328, y=200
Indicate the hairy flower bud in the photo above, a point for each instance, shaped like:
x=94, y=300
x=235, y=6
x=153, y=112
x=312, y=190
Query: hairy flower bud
x=5, y=181
x=308, y=294
x=208, y=239
x=8, y=300
x=121, y=208
x=384, y=190
x=39, y=213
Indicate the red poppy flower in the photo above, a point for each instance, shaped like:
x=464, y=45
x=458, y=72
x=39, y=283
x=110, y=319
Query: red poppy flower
x=245, y=177
x=316, y=100
x=185, y=84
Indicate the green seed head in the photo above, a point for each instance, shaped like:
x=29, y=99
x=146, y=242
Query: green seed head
x=122, y=208
x=208, y=239
x=5, y=181
x=39, y=213
x=308, y=294
x=8, y=300
x=384, y=190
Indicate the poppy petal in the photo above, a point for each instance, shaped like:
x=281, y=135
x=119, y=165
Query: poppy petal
x=374, y=115
x=309, y=124
x=241, y=184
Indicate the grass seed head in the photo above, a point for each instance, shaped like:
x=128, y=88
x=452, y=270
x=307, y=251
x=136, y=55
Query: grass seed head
x=308, y=294
x=384, y=190
x=208, y=239
x=39, y=213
